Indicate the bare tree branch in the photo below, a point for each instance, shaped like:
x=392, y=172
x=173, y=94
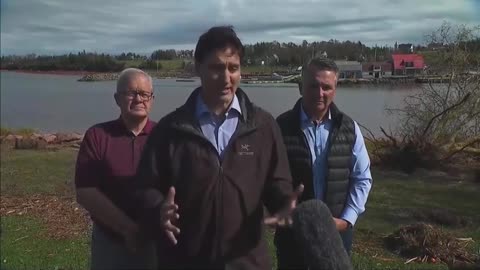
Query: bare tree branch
x=444, y=112
x=394, y=141
x=368, y=130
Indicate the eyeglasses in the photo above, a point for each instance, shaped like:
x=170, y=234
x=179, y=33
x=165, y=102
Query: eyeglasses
x=145, y=96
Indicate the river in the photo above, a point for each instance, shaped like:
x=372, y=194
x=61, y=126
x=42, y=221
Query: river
x=51, y=103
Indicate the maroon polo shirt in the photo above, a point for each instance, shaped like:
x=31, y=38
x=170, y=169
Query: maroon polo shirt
x=108, y=160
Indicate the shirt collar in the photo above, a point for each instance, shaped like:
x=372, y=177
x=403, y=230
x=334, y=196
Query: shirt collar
x=305, y=120
x=147, y=129
x=202, y=109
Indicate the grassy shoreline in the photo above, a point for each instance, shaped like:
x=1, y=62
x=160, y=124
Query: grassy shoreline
x=44, y=174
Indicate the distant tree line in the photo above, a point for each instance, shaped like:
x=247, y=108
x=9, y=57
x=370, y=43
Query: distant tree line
x=130, y=56
x=261, y=53
x=171, y=54
x=81, y=61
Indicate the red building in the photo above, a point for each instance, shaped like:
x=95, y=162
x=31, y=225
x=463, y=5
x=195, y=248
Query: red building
x=408, y=64
x=377, y=69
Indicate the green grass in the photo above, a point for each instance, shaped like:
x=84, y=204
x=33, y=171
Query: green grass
x=23, y=247
x=171, y=64
x=262, y=69
x=393, y=194
x=26, y=172
x=177, y=64
x=47, y=172
x=131, y=63
x=166, y=65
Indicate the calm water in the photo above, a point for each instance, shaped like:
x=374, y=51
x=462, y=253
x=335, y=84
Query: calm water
x=59, y=103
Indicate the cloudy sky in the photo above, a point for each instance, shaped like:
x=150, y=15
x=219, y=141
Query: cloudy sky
x=113, y=26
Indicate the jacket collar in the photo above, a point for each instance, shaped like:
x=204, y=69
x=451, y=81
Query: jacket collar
x=186, y=120
x=202, y=109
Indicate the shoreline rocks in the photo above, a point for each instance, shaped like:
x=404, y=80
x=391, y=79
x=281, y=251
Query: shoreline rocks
x=96, y=77
x=42, y=141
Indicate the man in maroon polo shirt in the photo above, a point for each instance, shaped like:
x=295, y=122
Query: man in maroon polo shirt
x=105, y=169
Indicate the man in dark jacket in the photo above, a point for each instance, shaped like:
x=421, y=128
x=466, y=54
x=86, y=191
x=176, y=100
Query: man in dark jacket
x=210, y=166
x=327, y=154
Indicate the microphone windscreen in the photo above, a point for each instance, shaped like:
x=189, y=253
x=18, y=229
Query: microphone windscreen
x=316, y=233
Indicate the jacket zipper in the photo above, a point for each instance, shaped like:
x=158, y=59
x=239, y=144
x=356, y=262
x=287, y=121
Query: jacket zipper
x=219, y=206
x=221, y=175
x=220, y=216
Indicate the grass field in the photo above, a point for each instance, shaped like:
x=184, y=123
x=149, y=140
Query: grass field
x=166, y=65
x=26, y=245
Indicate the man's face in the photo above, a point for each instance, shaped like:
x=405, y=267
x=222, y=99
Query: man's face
x=136, y=97
x=220, y=75
x=318, y=89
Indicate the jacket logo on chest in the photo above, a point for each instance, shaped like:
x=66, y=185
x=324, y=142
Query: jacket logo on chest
x=245, y=150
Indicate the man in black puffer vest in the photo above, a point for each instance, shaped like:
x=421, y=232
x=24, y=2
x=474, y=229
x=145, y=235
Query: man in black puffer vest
x=327, y=154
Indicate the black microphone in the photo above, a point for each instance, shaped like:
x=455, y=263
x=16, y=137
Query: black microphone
x=315, y=232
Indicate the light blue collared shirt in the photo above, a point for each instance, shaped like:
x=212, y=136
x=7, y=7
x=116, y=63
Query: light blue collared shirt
x=217, y=129
x=317, y=135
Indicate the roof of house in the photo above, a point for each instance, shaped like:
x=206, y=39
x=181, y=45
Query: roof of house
x=400, y=59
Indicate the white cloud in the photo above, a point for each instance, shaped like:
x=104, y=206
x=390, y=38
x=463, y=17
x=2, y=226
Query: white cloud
x=55, y=26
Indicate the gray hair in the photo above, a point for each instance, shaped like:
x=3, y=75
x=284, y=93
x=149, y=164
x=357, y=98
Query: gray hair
x=321, y=63
x=127, y=74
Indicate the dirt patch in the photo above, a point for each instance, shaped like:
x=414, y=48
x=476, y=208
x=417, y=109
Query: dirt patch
x=63, y=217
x=425, y=243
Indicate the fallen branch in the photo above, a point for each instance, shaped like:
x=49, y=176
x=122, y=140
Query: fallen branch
x=21, y=238
x=467, y=96
x=470, y=150
x=466, y=239
x=465, y=148
x=411, y=260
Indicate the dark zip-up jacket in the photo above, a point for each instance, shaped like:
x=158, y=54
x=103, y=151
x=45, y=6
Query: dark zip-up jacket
x=220, y=200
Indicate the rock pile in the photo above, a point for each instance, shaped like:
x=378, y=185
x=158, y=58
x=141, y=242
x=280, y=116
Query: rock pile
x=41, y=141
x=94, y=77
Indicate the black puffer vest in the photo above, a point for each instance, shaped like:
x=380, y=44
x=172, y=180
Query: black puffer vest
x=340, y=143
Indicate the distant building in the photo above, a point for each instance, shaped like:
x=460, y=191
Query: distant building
x=405, y=48
x=436, y=46
x=407, y=64
x=349, y=69
x=377, y=69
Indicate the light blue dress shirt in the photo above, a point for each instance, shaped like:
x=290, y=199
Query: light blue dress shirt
x=218, y=129
x=317, y=135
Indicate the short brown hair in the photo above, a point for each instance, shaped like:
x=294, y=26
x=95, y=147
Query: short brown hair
x=321, y=63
